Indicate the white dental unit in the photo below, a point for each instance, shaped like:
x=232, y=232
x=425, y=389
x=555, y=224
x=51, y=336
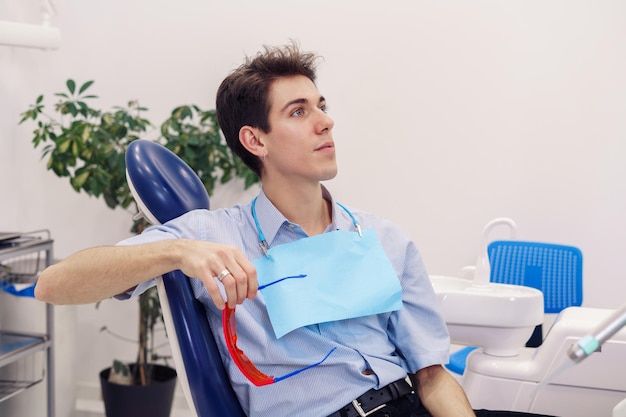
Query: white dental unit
x=550, y=379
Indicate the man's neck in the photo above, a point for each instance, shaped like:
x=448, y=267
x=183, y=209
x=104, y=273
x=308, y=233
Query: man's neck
x=303, y=205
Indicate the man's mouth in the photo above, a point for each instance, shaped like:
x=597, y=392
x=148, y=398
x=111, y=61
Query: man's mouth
x=326, y=146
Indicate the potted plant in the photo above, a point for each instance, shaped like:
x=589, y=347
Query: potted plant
x=88, y=145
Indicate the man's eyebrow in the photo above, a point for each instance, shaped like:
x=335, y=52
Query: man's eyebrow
x=301, y=101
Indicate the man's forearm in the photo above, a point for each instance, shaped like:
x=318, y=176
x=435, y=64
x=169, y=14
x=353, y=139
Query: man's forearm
x=440, y=393
x=102, y=272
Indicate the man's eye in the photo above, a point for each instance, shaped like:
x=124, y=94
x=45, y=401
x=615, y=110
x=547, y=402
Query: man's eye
x=297, y=112
x=324, y=108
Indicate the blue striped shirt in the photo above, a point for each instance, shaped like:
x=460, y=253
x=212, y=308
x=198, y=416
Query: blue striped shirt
x=389, y=344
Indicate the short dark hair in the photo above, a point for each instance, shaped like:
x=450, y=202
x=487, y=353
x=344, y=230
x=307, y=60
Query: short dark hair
x=242, y=98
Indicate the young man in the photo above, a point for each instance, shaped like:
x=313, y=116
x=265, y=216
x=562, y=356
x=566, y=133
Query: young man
x=274, y=118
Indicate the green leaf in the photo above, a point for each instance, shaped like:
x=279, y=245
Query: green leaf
x=64, y=146
x=79, y=180
x=28, y=114
x=71, y=107
x=251, y=179
x=86, y=133
x=120, y=368
x=107, y=119
x=84, y=87
x=84, y=109
x=110, y=201
x=227, y=176
x=186, y=113
x=39, y=99
x=71, y=85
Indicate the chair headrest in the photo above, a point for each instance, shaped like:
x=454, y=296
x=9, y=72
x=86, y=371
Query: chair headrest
x=162, y=184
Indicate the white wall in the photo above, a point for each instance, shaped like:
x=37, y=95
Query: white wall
x=448, y=114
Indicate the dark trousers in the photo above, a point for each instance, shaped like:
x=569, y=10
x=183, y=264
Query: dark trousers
x=406, y=407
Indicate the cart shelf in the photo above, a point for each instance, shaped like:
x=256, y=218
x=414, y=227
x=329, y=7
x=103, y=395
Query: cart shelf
x=22, y=258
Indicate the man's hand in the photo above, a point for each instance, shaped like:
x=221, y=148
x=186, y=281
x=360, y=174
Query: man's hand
x=206, y=260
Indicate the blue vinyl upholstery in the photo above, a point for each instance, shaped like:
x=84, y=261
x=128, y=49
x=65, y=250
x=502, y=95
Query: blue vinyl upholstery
x=209, y=384
x=165, y=187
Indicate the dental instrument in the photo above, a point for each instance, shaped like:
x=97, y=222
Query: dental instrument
x=593, y=342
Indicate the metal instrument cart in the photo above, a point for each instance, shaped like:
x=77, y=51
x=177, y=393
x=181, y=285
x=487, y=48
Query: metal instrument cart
x=22, y=257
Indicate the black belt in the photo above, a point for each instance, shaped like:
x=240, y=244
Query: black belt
x=374, y=400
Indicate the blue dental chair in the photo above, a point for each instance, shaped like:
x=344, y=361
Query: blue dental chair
x=555, y=270
x=165, y=187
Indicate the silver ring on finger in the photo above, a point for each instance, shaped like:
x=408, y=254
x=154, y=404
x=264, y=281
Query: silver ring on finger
x=222, y=275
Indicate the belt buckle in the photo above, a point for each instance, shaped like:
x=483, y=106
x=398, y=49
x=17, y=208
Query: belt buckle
x=361, y=412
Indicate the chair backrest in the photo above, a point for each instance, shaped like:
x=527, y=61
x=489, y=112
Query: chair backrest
x=165, y=187
x=554, y=269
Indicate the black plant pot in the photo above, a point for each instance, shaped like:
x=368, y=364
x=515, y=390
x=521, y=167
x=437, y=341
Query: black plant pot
x=154, y=400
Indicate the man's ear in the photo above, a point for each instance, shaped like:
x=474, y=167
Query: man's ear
x=250, y=139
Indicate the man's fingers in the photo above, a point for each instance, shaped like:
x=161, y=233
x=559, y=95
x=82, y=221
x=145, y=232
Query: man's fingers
x=239, y=284
x=214, y=293
x=214, y=263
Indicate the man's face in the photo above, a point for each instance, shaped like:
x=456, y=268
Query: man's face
x=300, y=143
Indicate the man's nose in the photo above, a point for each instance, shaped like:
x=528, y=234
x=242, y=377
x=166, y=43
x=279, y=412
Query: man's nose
x=325, y=122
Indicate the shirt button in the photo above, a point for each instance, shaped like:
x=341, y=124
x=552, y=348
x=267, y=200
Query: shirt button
x=367, y=372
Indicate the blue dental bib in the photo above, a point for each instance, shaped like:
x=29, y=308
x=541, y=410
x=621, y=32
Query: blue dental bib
x=332, y=276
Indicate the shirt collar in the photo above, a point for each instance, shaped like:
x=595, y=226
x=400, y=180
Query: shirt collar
x=270, y=219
